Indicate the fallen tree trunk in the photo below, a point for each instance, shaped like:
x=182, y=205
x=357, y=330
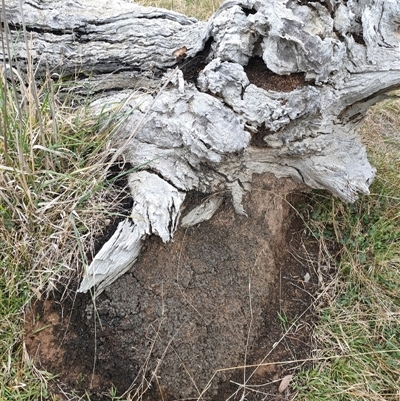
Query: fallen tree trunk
x=271, y=86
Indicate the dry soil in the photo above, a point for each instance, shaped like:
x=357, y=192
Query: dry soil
x=214, y=315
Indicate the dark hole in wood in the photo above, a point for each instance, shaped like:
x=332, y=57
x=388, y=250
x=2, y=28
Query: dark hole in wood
x=118, y=174
x=191, y=67
x=249, y=11
x=358, y=38
x=257, y=139
x=261, y=76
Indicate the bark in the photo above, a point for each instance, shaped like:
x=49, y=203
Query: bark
x=275, y=86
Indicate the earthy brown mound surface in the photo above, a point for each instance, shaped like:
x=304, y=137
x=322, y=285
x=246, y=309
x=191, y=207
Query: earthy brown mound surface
x=193, y=318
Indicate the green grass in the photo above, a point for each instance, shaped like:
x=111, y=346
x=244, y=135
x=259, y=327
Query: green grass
x=358, y=334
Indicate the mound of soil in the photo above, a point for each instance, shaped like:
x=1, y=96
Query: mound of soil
x=207, y=316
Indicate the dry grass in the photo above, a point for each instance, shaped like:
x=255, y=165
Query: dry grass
x=53, y=202
x=200, y=9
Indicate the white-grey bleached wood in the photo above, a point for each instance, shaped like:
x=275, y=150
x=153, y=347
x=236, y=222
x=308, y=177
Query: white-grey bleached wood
x=202, y=212
x=155, y=211
x=114, y=259
x=281, y=86
x=99, y=36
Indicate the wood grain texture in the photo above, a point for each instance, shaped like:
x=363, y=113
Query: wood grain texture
x=99, y=36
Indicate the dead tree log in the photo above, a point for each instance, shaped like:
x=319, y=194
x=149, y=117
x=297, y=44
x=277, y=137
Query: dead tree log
x=263, y=86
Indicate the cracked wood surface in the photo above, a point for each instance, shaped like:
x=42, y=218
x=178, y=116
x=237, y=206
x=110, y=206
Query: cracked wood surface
x=263, y=86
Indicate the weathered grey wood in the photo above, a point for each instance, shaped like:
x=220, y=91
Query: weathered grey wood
x=114, y=259
x=321, y=65
x=202, y=212
x=156, y=210
x=99, y=36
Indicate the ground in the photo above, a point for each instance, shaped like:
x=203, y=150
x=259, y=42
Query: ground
x=214, y=315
